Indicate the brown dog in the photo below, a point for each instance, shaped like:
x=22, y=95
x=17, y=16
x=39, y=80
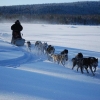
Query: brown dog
x=59, y=58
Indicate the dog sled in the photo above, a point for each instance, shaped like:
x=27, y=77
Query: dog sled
x=18, y=42
x=17, y=39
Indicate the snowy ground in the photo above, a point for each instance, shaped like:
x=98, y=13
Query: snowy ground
x=25, y=75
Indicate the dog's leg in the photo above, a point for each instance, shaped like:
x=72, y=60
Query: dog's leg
x=58, y=59
x=81, y=67
x=74, y=64
x=94, y=69
x=78, y=67
x=54, y=59
x=91, y=70
x=63, y=62
x=86, y=68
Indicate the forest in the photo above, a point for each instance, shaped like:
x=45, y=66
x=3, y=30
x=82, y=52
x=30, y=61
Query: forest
x=85, y=13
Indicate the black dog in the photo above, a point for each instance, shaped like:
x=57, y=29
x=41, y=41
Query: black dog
x=50, y=49
x=77, y=59
x=90, y=62
x=65, y=51
x=79, y=56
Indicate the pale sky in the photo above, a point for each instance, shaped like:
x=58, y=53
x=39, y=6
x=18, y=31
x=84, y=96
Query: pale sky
x=24, y=2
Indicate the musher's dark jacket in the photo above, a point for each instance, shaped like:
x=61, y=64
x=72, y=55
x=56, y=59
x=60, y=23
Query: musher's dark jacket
x=17, y=27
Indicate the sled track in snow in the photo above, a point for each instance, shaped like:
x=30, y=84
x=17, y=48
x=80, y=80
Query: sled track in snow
x=23, y=55
x=16, y=61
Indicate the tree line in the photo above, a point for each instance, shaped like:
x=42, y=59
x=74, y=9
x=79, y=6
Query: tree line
x=60, y=13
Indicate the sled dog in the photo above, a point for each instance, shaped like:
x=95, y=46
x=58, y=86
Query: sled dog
x=49, y=51
x=59, y=58
x=89, y=62
x=28, y=45
x=65, y=53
